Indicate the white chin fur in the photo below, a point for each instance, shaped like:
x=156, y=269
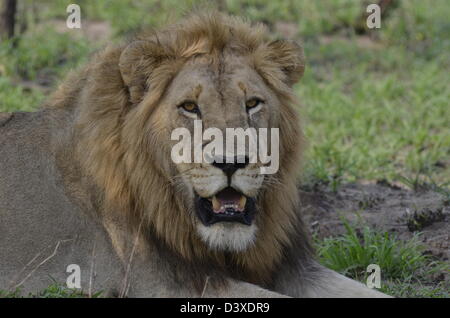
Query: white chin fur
x=227, y=236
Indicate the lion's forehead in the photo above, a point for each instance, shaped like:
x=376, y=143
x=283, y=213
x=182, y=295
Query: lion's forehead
x=233, y=73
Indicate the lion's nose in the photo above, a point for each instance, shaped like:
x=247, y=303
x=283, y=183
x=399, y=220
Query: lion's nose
x=230, y=168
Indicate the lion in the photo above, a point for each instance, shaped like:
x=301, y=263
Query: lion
x=88, y=179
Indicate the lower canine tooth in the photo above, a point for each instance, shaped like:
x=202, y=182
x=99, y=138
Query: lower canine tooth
x=242, y=202
x=215, y=204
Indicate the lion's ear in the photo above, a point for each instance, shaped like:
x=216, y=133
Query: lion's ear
x=136, y=63
x=289, y=56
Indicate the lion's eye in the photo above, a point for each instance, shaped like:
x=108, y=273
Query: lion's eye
x=190, y=107
x=252, y=103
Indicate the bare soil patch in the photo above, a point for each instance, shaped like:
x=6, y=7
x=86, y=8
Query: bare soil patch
x=383, y=207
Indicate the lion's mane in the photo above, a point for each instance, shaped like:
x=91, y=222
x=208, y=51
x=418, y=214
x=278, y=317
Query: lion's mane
x=118, y=148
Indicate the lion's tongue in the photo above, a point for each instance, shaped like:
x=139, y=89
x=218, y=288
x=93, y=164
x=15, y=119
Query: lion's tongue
x=228, y=199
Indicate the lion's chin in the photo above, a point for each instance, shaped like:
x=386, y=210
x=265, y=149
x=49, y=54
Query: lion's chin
x=228, y=236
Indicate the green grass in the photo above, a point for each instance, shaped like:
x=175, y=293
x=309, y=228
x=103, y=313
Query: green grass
x=375, y=123
x=403, y=264
x=351, y=253
x=126, y=16
x=42, y=52
x=401, y=289
x=373, y=108
x=53, y=291
x=14, y=97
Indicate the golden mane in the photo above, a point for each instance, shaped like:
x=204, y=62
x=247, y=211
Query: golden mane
x=119, y=150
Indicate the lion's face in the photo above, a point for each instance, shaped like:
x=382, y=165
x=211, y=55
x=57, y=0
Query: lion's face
x=229, y=75
x=223, y=196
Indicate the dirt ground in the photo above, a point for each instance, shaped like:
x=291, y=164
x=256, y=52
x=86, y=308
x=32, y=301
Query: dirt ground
x=383, y=207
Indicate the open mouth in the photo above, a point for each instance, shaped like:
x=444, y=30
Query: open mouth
x=227, y=205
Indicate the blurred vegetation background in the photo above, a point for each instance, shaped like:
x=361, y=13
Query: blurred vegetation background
x=374, y=103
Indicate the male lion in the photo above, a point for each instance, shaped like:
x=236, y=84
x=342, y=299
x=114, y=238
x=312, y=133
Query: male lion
x=89, y=180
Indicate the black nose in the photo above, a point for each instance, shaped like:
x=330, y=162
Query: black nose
x=230, y=168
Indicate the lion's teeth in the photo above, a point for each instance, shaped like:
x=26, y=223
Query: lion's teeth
x=215, y=204
x=220, y=207
x=242, y=202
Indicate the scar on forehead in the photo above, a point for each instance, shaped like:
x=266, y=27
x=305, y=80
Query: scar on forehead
x=197, y=91
x=243, y=87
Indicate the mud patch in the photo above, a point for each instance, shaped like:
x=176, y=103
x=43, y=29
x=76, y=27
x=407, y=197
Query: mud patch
x=5, y=118
x=384, y=208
